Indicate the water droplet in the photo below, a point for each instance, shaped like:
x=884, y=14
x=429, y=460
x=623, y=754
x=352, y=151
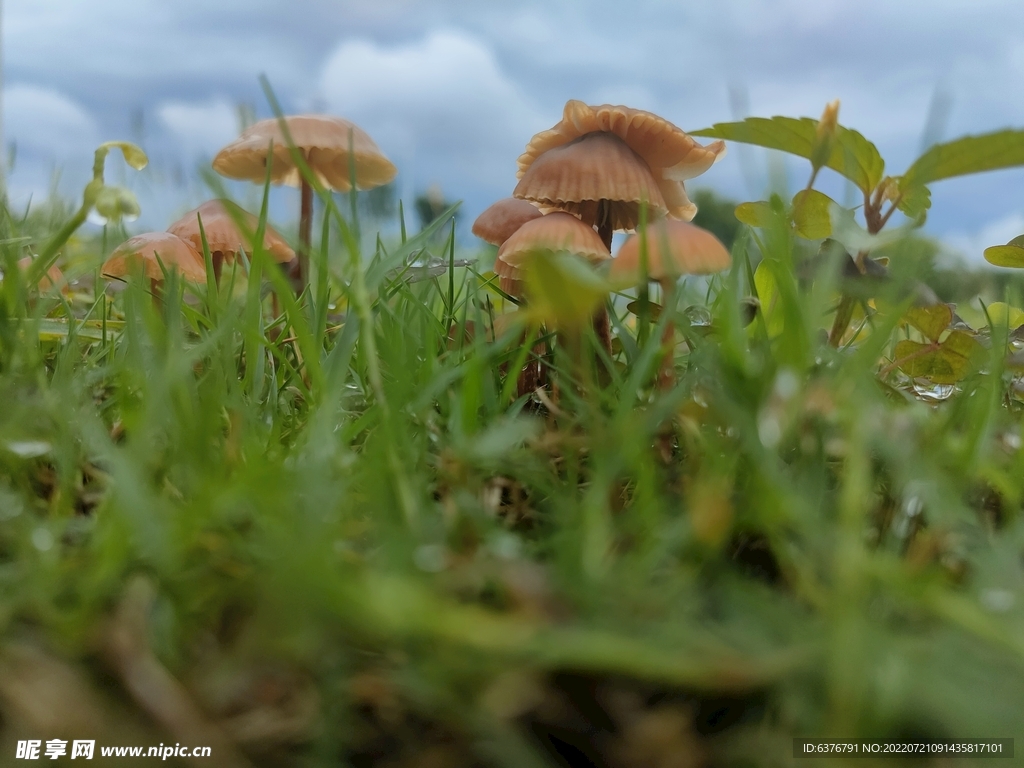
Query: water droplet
x=930, y=392
x=698, y=316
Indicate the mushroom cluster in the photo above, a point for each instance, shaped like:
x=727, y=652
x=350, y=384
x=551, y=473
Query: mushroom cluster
x=597, y=171
x=334, y=151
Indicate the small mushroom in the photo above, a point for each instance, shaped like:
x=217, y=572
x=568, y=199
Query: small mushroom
x=144, y=254
x=674, y=248
x=223, y=236
x=325, y=144
x=53, y=277
x=551, y=233
x=497, y=224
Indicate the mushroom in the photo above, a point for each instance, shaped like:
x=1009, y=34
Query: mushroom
x=551, y=233
x=150, y=254
x=673, y=248
x=597, y=177
x=548, y=234
x=670, y=154
x=53, y=276
x=325, y=143
x=497, y=224
x=223, y=236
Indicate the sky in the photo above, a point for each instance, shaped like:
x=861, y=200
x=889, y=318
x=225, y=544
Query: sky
x=452, y=91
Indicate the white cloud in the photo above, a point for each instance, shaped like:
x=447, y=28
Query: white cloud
x=442, y=102
x=199, y=128
x=45, y=122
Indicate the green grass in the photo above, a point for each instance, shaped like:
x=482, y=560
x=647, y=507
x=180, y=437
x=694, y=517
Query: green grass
x=342, y=523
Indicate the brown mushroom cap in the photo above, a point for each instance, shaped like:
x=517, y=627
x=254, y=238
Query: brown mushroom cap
x=175, y=253
x=575, y=176
x=223, y=236
x=53, y=276
x=671, y=154
x=552, y=233
x=496, y=224
x=323, y=141
x=673, y=248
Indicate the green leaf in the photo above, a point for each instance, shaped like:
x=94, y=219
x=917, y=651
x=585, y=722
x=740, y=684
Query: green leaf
x=913, y=200
x=852, y=156
x=1002, y=314
x=768, y=295
x=945, y=363
x=564, y=290
x=931, y=321
x=970, y=154
x=811, y=214
x=758, y=214
x=1005, y=256
x=653, y=309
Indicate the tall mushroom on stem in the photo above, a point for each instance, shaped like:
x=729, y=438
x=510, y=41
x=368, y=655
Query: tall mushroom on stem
x=673, y=248
x=223, y=236
x=602, y=163
x=330, y=147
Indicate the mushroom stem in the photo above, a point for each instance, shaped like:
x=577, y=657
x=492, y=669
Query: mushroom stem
x=667, y=371
x=305, y=231
x=602, y=324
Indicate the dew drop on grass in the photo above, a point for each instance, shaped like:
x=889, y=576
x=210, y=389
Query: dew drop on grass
x=934, y=393
x=698, y=316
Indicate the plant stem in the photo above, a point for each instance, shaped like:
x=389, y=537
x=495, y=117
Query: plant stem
x=305, y=233
x=667, y=370
x=602, y=323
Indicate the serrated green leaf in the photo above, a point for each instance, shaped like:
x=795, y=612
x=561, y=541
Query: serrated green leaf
x=811, y=214
x=758, y=214
x=914, y=200
x=852, y=156
x=969, y=154
x=931, y=321
x=1005, y=256
x=564, y=290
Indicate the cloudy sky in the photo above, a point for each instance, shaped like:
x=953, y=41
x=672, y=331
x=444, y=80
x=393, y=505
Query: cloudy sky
x=452, y=90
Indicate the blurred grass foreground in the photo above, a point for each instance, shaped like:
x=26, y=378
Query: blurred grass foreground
x=410, y=514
